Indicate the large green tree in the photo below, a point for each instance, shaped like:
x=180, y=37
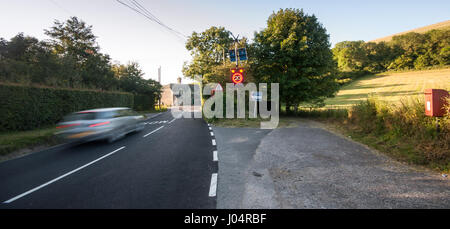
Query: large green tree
x=294, y=50
x=74, y=40
x=351, y=55
x=208, y=50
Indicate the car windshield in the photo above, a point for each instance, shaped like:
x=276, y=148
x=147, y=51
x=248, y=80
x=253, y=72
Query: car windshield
x=106, y=115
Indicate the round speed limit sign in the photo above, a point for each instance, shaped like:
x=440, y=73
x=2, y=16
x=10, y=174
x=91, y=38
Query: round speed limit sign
x=237, y=78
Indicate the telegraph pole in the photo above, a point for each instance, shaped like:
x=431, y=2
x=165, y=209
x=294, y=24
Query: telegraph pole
x=159, y=80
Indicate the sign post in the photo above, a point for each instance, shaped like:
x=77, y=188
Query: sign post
x=257, y=97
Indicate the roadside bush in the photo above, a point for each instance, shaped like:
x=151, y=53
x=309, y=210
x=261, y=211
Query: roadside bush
x=26, y=107
x=405, y=127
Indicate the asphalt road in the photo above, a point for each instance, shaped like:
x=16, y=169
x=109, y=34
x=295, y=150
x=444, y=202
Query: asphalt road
x=169, y=165
x=308, y=167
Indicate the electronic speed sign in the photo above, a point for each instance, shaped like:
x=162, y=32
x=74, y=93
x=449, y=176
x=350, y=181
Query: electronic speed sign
x=237, y=75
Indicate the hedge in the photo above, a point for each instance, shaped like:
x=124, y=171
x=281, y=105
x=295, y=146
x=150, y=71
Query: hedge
x=144, y=102
x=27, y=107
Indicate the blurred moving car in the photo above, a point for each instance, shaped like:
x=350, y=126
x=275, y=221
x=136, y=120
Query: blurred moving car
x=110, y=124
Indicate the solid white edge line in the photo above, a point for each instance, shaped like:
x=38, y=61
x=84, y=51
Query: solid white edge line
x=153, y=132
x=213, y=188
x=61, y=177
x=215, y=156
x=214, y=142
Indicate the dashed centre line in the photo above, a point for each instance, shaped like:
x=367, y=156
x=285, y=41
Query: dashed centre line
x=156, y=122
x=153, y=132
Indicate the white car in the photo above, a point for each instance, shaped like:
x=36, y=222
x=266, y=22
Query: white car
x=110, y=124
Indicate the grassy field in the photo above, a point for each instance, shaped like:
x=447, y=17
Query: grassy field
x=391, y=87
x=441, y=26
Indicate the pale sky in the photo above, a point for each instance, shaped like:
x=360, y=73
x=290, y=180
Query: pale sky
x=128, y=36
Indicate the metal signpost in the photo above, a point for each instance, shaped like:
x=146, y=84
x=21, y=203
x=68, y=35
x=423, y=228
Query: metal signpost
x=257, y=97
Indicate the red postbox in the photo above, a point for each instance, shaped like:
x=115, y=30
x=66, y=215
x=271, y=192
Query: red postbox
x=435, y=101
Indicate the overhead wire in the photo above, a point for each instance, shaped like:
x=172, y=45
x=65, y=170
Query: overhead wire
x=140, y=9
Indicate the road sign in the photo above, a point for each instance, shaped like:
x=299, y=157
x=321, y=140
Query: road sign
x=237, y=75
x=242, y=54
x=257, y=96
x=232, y=55
x=217, y=88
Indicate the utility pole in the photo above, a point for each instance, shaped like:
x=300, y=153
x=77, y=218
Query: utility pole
x=159, y=74
x=223, y=53
x=159, y=80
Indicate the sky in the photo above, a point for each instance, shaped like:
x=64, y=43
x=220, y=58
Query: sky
x=127, y=36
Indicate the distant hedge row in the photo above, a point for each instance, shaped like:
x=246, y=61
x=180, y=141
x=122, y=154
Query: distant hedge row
x=144, y=102
x=26, y=107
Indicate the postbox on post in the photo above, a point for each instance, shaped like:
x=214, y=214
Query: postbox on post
x=435, y=101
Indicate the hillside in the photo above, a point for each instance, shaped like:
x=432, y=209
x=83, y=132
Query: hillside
x=391, y=86
x=441, y=25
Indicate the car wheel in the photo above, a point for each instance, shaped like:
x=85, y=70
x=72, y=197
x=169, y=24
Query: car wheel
x=114, y=137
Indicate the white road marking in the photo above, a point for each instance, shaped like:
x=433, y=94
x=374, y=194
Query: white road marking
x=153, y=132
x=210, y=128
x=215, y=156
x=172, y=120
x=212, y=134
x=214, y=142
x=61, y=177
x=157, y=122
x=213, y=188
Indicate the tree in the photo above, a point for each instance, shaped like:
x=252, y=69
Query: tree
x=412, y=45
x=380, y=56
x=294, y=50
x=208, y=50
x=131, y=80
x=74, y=40
x=25, y=59
x=351, y=55
x=73, y=37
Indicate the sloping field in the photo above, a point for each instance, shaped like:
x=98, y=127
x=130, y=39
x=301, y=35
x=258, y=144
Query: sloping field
x=441, y=25
x=391, y=87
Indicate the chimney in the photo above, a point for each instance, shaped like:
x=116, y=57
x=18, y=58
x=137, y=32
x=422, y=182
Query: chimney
x=179, y=80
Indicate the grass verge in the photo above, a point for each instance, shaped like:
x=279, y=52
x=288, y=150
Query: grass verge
x=285, y=122
x=18, y=140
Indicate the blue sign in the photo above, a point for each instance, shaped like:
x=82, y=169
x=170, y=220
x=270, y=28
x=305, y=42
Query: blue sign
x=257, y=96
x=242, y=54
x=232, y=55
